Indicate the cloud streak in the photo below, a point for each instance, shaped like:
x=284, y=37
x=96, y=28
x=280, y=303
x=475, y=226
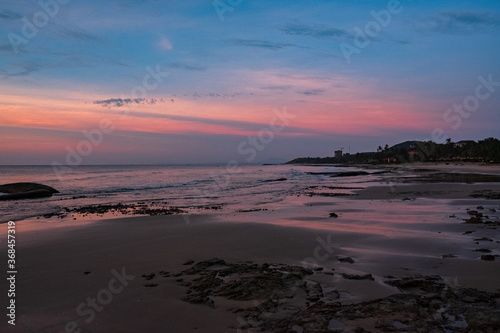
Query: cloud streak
x=186, y=66
x=261, y=44
x=78, y=34
x=299, y=29
x=8, y=15
x=119, y=102
x=25, y=69
x=312, y=92
x=454, y=22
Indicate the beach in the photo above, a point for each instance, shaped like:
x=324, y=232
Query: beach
x=394, y=254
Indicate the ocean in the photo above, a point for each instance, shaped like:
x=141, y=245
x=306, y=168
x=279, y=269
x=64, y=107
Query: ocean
x=249, y=187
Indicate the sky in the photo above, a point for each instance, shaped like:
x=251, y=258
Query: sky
x=246, y=81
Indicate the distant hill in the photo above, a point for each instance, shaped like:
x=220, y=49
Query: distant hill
x=486, y=151
x=407, y=145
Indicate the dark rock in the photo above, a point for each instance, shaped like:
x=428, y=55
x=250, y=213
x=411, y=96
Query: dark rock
x=357, y=277
x=474, y=220
x=448, y=256
x=188, y=262
x=26, y=195
x=486, y=239
x=483, y=250
x=488, y=257
x=125, y=209
x=346, y=259
x=488, y=194
x=204, y=265
x=277, y=294
x=314, y=292
x=24, y=187
x=247, y=282
x=333, y=215
x=148, y=276
x=18, y=191
x=275, y=180
x=329, y=194
x=475, y=213
x=432, y=283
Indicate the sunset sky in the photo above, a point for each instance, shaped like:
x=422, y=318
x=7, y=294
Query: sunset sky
x=176, y=82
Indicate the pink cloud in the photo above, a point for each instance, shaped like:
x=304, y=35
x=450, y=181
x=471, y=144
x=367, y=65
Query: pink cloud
x=165, y=44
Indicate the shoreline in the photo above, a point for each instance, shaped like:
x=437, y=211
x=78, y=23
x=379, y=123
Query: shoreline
x=146, y=246
x=381, y=241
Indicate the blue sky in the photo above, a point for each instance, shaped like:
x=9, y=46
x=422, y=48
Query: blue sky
x=226, y=76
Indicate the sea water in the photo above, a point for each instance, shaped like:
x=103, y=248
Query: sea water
x=233, y=188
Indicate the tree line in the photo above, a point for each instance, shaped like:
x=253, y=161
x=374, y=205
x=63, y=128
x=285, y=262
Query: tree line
x=486, y=151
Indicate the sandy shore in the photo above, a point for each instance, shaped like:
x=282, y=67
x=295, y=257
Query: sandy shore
x=282, y=270
x=61, y=268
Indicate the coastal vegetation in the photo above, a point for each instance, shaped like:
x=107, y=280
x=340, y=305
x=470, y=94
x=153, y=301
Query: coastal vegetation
x=486, y=151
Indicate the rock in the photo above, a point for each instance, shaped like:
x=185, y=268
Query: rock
x=333, y=215
x=475, y=213
x=18, y=191
x=244, y=282
x=483, y=250
x=282, y=298
x=433, y=283
x=27, y=195
x=275, y=180
x=346, y=259
x=24, y=187
x=488, y=194
x=474, y=220
x=486, y=239
x=188, y=262
x=314, y=292
x=488, y=257
x=357, y=277
x=126, y=209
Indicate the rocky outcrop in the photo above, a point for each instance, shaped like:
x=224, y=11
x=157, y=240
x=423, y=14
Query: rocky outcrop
x=284, y=298
x=16, y=191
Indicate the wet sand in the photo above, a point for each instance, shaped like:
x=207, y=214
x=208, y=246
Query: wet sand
x=141, y=270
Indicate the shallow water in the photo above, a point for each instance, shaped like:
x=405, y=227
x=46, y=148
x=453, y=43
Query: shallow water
x=247, y=187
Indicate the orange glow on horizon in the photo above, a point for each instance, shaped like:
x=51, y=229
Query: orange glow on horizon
x=313, y=116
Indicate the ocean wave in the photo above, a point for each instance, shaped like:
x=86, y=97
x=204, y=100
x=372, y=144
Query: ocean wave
x=296, y=172
x=113, y=190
